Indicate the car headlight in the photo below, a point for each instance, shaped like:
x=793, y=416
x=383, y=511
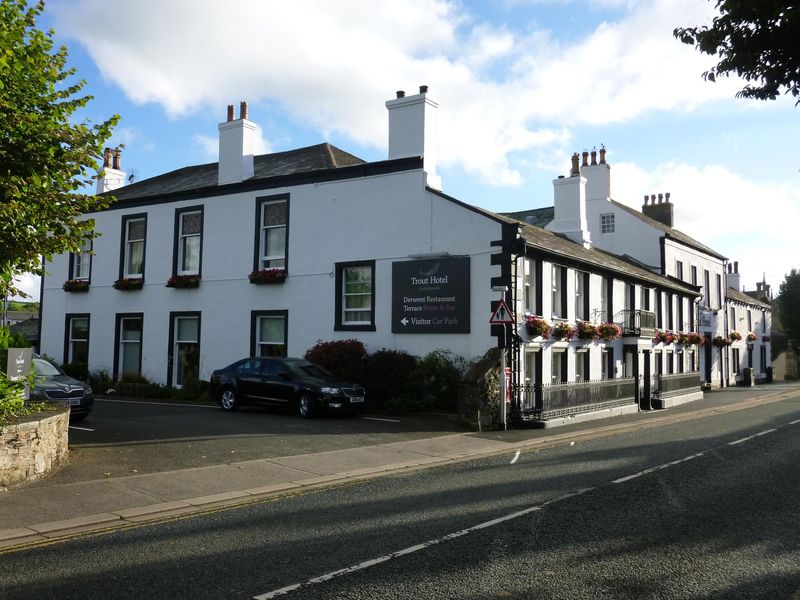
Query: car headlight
x=330, y=390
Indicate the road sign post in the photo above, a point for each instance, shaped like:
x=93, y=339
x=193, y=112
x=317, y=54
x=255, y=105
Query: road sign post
x=502, y=315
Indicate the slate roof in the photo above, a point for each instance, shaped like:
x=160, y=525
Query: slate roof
x=559, y=245
x=302, y=160
x=28, y=328
x=540, y=217
x=734, y=294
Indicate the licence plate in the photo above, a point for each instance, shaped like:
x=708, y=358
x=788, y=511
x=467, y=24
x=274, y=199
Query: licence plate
x=356, y=399
x=74, y=401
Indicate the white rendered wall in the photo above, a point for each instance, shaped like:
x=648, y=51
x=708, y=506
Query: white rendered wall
x=383, y=218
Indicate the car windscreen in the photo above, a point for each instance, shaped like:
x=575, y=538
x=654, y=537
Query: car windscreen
x=307, y=369
x=44, y=368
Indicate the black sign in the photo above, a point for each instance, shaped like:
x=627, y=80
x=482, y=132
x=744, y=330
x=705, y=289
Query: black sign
x=430, y=296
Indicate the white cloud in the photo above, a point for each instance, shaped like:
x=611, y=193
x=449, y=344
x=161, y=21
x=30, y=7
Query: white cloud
x=724, y=211
x=331, y=66
x=29, y=284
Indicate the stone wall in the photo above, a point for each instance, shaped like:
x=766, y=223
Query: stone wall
x=479, y=394
x=33, y=446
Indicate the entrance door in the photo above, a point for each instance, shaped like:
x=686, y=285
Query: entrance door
x=707, y=351
x=647, y=393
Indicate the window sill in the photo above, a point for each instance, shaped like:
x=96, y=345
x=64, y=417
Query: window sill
x=339, y=327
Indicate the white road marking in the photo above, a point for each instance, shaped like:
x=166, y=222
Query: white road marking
x=794, y=422
x=417, y=547
x=81, y=428
x=155, y=403
x=516, y=457
x=379, y=419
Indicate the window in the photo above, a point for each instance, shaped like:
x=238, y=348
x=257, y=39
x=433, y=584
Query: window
x=559, y=296
x=630, y=296
x=657, y=366
x=559, y=367
x=604, y=287
x=582, y=365
x=679, y=269
x=763, y=359
x=764, y=321
x=735, y=361
x=530, y=367
x=680, y=358
x=659, y=306
x=670, y=321
x=707, y=288
x=268, y=332
x=530, y=286
x=76, y=339
x=134, y=232
x=719, y=290
x=188, y=240
x=272, y=240
x=184, y=348
x=668, y=360
x=607, y=223
x=681, y=324
x=644, y=299
x=355, y=296
x=692, y=361
x=581, y=295
x=80, y=266
x=733, y=318
x=607, y=363
x=749, y=320
x=129, y=345
x=694, y=275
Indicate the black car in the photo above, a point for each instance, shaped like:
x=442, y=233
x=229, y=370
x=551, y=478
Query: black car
x=52, y=385
x=292, y=382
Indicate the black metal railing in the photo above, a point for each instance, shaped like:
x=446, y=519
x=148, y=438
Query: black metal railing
x=677, y=384
x=641, y=323
x=564, y=399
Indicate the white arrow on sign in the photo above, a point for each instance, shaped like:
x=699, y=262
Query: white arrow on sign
x=404, y=321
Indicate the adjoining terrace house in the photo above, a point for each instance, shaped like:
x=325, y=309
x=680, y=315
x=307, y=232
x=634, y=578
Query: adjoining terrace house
x=265, y=255
x=649, y=238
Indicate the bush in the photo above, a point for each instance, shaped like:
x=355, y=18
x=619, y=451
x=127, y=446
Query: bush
x=100, y=381
x=432, y=385
x=78, y=370
x=347, y=359
x=388, y=376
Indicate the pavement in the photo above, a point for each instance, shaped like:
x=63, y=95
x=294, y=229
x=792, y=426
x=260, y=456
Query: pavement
x=45, y=513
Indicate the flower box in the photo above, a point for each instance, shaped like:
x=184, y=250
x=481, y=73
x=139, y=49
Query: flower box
x=564, y=331
x=735, y=336
x=76, y=285
x=537, y=327
x=586, y=331
x=609, y=331
x=751, y=337
x=666, y=337
x=721, y=342
x=694, y=338
x=268, y=276
x=125, y=284
x=183, y=281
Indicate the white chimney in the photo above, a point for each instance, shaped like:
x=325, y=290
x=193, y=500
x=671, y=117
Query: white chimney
x=412, y=131
x=732, y=278
x=598, y=177
x=112, y=176
x=570, y=206
x=236, y=139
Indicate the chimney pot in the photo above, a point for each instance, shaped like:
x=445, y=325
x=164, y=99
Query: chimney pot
x=660, y=198
x=594, y=157
x=230, y=113
x=602, y=154
x=401, y=94
x=585, y=162
x=423, y=89
x=667, y=196
x=736, y=266
x=117, y=158
x=576, y=169
x=107, y=157
x=646, y=198
x=243, y=110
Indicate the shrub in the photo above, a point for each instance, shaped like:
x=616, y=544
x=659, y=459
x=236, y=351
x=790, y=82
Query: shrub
x=434, y=382
x=100, y=381
x=388, y=376
x=78, y=370
x=346, y=359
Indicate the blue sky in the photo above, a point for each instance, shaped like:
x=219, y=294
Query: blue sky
x=521, y=84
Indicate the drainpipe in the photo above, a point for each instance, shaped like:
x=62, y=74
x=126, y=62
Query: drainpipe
x=724, y=367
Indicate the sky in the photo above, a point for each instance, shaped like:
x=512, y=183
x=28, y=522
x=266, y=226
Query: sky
x=521, y=85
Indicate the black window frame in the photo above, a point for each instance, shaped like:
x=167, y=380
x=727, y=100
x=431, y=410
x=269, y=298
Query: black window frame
x=123, y=238
x=118, y=339
x=255, y=315
x=339, y=325
x=257, y=254
x=171, y=337
x=179, y=212
x=72, y=258
x=67, y=334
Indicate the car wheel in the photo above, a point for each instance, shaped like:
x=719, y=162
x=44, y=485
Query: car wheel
x=305, y=405
x=229, y=399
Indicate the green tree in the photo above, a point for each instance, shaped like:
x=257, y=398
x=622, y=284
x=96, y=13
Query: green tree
x=756, y=40
x=45, y=159
x=789, y=307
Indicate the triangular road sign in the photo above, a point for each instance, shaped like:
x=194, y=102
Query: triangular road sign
x=501, y=315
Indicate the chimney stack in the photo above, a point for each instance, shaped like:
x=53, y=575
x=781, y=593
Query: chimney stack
x=732, y=278
x=661, y=210
x=412, y=131
x=569, y=196
x=111, y=177
x=236, y=139
x=598, y=176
